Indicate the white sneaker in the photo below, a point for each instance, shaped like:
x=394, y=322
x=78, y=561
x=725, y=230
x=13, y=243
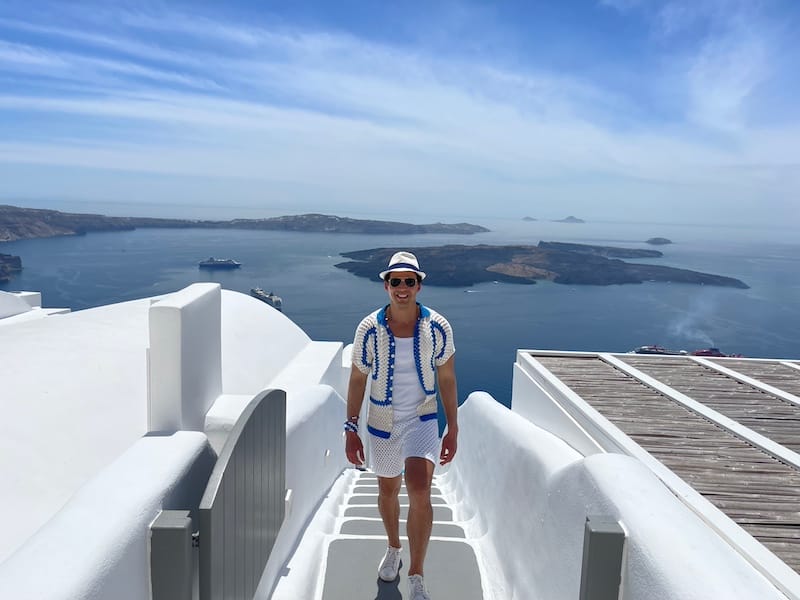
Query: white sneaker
x=390, y=565
x=416, y=588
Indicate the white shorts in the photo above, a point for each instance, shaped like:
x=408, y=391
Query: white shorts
x=409, y=438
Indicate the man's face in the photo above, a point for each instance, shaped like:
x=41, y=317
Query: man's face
x=401, y=292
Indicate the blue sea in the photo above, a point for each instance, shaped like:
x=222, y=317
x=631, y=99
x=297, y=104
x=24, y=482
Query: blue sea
x=491, y=320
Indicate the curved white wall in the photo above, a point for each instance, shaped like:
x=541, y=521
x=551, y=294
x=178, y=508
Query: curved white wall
x=257, y=343
x=75, y=392
x=96, y=546
x=73, y=399
x=531, y=504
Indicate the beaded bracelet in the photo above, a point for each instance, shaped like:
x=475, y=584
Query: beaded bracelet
x=351, y=424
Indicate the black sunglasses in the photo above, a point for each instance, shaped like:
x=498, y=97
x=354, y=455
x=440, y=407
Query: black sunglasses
x=410, y=281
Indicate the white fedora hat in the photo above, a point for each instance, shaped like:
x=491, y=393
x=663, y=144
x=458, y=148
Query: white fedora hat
x=403, y=261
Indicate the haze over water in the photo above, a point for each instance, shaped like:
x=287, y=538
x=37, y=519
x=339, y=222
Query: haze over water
x=491, y=321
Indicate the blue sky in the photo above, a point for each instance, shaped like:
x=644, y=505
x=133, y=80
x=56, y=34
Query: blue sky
x=674, y=111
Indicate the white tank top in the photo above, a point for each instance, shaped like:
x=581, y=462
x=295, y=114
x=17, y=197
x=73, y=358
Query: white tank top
x=407, y=393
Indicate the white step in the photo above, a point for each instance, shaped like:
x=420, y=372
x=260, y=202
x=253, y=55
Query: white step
x=354, y=551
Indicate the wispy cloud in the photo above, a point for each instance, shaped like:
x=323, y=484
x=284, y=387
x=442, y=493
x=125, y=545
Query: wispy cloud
x=23, y=56
x=723, y=77
x=336, y=114
x=119, y=44
x=623, y=5
x=729, y=60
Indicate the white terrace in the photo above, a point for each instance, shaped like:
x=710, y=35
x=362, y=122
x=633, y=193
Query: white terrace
x=190, y=446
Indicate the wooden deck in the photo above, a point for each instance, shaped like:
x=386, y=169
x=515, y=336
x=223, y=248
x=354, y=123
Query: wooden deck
x=772, y=417
x=755, y=489
x=772, y=373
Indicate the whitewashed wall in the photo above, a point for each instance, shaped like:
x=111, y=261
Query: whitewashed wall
x=13, y=304
x=76, y=392
x=257, y=343
x=530, y=509
x=96, y=546
x=184, y=357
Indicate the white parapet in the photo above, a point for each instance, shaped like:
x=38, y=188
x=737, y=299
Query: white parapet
x=185, y=358
x=32, y=299
x=96, y=546
x=536, y=403
x=526, y=493
x=14, y=304
x=18, y=307
x=317, y=363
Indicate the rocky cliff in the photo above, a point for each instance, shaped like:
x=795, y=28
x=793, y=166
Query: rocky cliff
x=25, y=223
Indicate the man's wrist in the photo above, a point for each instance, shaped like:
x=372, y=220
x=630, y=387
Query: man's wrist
x=351, y=424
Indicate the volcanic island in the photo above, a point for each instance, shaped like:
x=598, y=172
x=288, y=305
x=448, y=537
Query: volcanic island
x=457, y=265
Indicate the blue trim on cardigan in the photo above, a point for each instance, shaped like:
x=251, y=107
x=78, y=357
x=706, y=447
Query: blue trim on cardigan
x=379, y=432
x=374, y=333
x=390, y=372
x=437, y=327
x=380, y=402
x=417, y=359
x=427, y=417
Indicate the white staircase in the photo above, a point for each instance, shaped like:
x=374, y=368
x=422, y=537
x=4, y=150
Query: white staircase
x=354, y=551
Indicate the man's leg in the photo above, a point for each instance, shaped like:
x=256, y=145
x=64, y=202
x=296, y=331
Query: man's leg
x=419, y=474
x=389, y=507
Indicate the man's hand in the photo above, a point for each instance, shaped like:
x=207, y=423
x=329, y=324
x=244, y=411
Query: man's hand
x=449, y=447
x=354, y=448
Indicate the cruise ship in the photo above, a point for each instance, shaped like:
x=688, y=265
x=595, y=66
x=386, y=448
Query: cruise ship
x=219, y=263
x=270, y=298
x=189, y=446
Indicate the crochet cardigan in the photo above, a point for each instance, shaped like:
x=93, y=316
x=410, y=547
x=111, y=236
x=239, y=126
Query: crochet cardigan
x=374, y=352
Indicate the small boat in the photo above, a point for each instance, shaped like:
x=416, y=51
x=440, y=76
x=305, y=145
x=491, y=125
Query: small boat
x=655, y=349
x=268, y=297
x=713, y=352
x=219, y=263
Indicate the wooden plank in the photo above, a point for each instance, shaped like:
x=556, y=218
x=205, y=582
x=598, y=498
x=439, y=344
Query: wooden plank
x=769, y=415
x=770, y=372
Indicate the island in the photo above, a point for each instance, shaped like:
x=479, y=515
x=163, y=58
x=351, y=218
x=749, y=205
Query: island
x=569, y=219
x=658, y=241
x=606, y=251
x=26, y=223
x=528, y=219
x=459, y=265
x=9, y=265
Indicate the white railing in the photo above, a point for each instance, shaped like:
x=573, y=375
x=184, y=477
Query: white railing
x=526, y=494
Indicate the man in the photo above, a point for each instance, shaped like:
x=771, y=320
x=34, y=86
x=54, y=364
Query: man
x=403, y=349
